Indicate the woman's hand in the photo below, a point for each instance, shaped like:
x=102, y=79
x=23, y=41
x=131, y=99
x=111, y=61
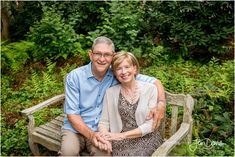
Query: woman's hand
x=157, y=114
x=113, y=136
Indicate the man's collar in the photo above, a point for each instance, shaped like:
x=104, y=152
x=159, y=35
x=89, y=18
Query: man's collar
x=90, y=74
x=89, y=71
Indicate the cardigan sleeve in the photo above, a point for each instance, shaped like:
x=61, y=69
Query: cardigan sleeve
x=146, y=127
x=104, y=120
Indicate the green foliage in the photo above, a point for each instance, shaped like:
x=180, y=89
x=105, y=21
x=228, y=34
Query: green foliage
x=84, y=16
x=205, y=148
x=15, y=55
x=53, y=37
x=191, y=28
x=45, y=83
x=121, y=23
x=40, y=86
x=14, y=138
x=22, y=15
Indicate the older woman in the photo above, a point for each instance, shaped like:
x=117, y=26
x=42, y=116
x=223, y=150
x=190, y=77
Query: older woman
x=126, y=106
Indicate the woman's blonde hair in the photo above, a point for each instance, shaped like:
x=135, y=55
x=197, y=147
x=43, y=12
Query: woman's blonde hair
x=119, y=58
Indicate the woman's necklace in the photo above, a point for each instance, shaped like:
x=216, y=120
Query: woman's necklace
x=131, y=94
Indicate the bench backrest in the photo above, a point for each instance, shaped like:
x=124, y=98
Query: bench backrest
x=179, y=110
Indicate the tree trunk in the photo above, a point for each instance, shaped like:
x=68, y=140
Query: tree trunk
x=4, y=24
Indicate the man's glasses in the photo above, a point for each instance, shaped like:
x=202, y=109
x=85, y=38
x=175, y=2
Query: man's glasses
x=99, y=55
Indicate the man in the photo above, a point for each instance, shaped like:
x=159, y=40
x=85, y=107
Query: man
x=84, y=91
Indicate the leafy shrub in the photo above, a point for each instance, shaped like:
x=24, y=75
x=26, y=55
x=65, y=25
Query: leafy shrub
x=14, y=138
x=121, y=23
x=53, y=37
x=15, y=55
x=191, y=29
x=23, y=15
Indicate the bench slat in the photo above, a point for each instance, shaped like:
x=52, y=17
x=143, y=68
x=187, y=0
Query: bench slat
x=48, y=133
x=175, y=99
x=55, y=131
x=60, y=118
x=174, y=117
x=57, y=122
x=54, y=126
x=49, y=143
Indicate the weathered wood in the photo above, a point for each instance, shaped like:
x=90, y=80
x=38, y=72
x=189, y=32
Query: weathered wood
x=188, y=116
x=49, y=134
x=174, y=117
x=54, y=126
x=169, y=144
x=49, y=143
x=33, y=146
x=46, y=103
x=175, y=99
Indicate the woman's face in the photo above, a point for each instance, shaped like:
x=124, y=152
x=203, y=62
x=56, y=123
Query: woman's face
x=125, y=72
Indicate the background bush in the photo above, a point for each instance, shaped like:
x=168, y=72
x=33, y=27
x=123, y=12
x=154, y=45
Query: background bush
x=53, y=38
x=14, y=56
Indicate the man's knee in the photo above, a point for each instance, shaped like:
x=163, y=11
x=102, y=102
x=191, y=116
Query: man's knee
x=70, y=145
x=69, y=151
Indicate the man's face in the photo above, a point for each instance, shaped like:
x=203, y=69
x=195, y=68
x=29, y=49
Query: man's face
x=101, y=57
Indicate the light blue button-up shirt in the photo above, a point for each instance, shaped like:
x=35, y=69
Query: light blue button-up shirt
x=84, y=95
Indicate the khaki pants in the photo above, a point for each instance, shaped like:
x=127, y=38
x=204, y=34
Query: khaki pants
x=73, y=144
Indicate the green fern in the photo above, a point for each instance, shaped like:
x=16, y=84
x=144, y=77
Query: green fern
x=50, y=65
x=36, y=82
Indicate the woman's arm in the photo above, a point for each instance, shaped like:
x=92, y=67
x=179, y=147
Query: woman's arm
x=124, y=135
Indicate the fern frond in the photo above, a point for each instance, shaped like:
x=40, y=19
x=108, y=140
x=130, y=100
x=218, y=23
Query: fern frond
x=36, y=82
x=50, y=65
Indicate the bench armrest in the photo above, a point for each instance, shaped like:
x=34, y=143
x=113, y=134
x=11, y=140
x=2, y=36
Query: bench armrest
x=46, y=103
x=169, y=144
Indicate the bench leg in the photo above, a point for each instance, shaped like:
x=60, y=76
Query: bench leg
x=189, y=136
x=34, y=148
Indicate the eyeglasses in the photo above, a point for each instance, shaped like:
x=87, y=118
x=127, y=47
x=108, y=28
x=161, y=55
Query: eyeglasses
x=99, y=55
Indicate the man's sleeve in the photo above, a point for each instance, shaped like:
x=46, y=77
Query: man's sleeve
x=145, y=78
x=72, y=96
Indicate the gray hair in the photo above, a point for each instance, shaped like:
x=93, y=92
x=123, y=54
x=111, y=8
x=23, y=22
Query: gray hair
x=103, y=39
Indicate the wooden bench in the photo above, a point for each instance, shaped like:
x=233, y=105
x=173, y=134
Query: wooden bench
x=49, y=135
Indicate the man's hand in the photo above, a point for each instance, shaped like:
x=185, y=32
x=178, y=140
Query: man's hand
x=157, y=113
x=100, y=142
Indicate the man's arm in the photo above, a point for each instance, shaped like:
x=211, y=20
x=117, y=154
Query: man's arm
x=158, y=112
x=79, y=125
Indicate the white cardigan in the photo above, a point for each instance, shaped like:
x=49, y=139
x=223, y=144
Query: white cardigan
x=110, y=118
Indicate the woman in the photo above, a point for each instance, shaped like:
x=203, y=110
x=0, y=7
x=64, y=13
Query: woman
x=125, y=109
